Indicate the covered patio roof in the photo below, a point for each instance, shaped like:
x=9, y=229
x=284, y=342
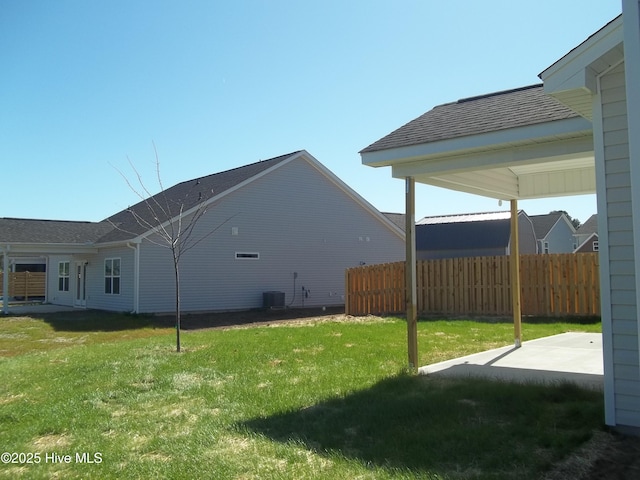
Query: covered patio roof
x=509, y=145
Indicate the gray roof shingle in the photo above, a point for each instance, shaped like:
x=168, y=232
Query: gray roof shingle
x=464, y=235
x=186, y=194
x=590, y=226
x=399, y=219
x=477, y=115
x=542, y=224
x=123, y=225
x=22, y=230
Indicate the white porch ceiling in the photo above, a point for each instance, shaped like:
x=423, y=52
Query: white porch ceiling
x=550, y=179
x=547, y=167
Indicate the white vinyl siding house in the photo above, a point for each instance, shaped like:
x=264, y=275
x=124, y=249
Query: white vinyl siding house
x=272, y=226
x=554, y=232
x=305, y=230
x=65, y=297
x=97, y=297
x=596, y=76
x=621, y=337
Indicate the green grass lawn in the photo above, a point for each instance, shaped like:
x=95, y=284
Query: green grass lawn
x=317, y=400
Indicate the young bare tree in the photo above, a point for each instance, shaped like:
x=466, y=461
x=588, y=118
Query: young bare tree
x=171, y=216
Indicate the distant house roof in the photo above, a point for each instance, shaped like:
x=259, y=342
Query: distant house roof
x=123, y=225
x=464, y=217
x=477, y=115
x=542, y=224
x=139, y=219
x=465, y=231
x=397, y=218
x=22, y=230
x=589, y=227
x=185, y=195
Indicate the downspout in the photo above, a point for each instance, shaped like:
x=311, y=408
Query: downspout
x=135, y=246
x=5, y=279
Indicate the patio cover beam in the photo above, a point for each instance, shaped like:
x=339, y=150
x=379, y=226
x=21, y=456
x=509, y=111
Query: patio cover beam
x=514, y=253
x=410, y=274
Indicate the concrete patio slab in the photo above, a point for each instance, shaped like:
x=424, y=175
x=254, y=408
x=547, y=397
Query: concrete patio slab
x=36, y=308
x=568, y=357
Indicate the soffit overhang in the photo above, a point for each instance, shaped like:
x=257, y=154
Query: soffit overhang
x=572, y=80
x=542, y=160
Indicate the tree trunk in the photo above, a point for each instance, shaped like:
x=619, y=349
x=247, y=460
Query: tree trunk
x=177, y=272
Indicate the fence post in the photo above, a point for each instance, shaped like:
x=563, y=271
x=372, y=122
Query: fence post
x=347, y=289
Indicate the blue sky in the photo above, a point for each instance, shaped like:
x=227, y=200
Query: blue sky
x=87, y=85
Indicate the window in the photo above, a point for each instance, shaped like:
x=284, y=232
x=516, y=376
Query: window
x=63, y=276
x=546, y=247
x=596, y=246
x=247, y=256
x=112, y=276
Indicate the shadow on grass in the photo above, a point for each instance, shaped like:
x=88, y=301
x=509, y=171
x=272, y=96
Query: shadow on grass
x=102, y=321
x=460, y=428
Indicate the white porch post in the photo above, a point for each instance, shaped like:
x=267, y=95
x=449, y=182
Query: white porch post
x=5, y=280
x=410, y=274
x=514, y=260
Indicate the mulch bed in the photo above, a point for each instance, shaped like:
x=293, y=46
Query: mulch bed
x=260, y=316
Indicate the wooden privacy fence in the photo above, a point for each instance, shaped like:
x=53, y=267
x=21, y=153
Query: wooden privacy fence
x=26, y=284
x=551, y=285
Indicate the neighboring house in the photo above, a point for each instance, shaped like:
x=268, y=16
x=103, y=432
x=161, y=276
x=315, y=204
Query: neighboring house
x=586, y=237
x=575, y=134
x=554, y=233
x=284, y=225
x=590, y=245
x=471, y=235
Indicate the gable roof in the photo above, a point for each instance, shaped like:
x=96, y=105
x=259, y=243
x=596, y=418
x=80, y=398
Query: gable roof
x=467, y=231
x=34, y=231
x=542, y=224
x=477, y=115
x=463, y=236
x=590, y=226
x=186, y=195
x=572, y=78
x=398, y=219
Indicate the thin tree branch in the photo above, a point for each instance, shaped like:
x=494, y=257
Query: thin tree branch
x=172, y=223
